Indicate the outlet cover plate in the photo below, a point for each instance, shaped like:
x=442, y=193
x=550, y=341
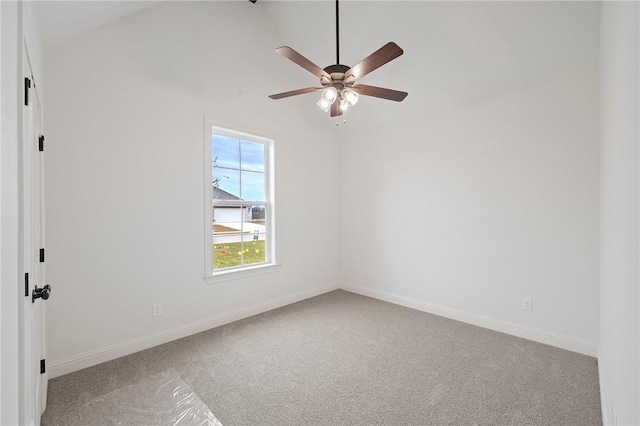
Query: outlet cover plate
x=527, y=304
x=157, y=309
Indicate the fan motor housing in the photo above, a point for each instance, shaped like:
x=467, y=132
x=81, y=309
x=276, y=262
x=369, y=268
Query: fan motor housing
x=331, y=69
x=337, y=73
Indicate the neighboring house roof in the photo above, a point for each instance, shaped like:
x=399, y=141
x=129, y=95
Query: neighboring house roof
x=220, y=194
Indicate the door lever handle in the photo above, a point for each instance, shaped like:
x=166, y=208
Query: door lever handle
x=43, y=293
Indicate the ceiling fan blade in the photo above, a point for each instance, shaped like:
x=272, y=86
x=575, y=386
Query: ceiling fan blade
x=294, y=56
x=385, y=54
x=380, y=92
x=335, y=109
x=295, y=92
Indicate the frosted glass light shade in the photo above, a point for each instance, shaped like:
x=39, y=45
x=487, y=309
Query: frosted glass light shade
x=351, y=96
x=330, y=94
x=324, y=104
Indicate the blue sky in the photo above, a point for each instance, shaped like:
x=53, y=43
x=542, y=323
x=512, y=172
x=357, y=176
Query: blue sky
x=241, y=163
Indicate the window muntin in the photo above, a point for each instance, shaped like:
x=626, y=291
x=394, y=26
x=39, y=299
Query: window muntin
x=241, y=226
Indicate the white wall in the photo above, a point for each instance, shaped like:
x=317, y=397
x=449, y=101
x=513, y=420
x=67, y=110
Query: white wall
x=619, y=352
x=482, y=187
x=125, y=210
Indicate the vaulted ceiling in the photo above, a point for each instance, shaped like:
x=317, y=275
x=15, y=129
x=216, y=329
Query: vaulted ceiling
x=454, y=51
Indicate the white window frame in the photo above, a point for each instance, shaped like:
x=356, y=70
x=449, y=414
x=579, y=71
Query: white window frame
x=210, y=275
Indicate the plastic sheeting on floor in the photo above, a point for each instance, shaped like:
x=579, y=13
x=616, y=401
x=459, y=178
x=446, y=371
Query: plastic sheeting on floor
x=165, y=399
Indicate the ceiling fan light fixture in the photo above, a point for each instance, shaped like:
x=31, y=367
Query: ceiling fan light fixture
x=324, y=104
x=339, y=91
x=351, y=96
x=330, y=94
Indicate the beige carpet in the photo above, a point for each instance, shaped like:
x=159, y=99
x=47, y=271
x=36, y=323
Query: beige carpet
x=341, y=358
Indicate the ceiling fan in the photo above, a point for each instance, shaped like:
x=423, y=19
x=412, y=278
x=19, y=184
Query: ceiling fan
x=338, y=81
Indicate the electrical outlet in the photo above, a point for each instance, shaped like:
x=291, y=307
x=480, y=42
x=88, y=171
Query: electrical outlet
x=157, y=309
x=527, y=304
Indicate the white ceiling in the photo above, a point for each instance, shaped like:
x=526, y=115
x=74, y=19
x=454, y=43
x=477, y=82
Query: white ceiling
x=62, y=20
x=454, y=51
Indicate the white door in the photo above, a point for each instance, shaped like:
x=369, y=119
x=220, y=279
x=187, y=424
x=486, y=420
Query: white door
x=36, y=291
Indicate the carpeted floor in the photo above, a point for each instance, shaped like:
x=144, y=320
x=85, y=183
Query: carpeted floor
x=341, y=358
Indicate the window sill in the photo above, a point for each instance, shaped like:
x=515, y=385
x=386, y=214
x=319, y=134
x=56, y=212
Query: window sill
x=238, y=274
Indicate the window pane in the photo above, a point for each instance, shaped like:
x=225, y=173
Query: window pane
x=258, y=215
x=253, y=186
x=239, y=236
x=225, y=152
x=226, y=184
x=252, y=156
x=227, y=237
x=254, y=236
x=254, y=250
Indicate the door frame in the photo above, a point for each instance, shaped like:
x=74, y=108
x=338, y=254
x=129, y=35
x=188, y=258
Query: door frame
x=10, y=127
x=31, y=240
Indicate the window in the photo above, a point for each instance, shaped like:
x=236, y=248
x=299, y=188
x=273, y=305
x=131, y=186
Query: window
x=239, y=191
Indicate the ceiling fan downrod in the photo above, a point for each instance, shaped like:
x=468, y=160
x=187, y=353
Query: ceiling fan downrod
x=337, y=33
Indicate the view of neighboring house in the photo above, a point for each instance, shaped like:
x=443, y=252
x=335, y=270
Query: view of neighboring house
x=230, y=221
x=228, y=214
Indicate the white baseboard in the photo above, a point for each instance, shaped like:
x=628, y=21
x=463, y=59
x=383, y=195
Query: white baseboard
x=69, y=365
x=605, y=407
x=541, y=336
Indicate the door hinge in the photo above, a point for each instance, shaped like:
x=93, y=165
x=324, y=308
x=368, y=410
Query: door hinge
x=27, y=86
x=26, y=284
x=41, y=255
x=41, y=143
x=43, y=366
